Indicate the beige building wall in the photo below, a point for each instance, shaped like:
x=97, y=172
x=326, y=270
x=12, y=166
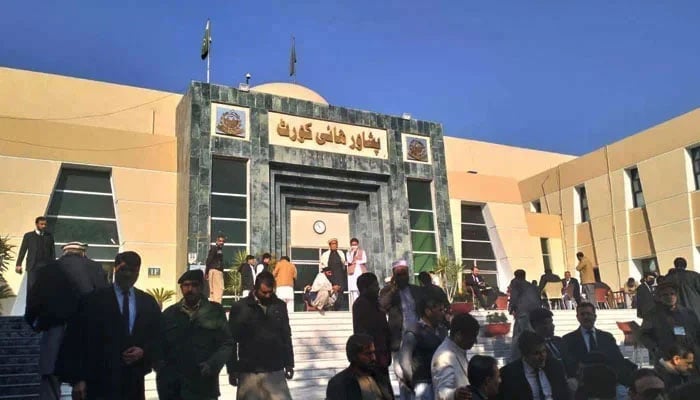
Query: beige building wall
x=52, y=120
x=618, y=235
x=303, y=235
x=488, y=174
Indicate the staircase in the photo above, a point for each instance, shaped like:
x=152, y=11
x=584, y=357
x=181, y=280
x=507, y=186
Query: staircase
x=319, y=351
x=19, y=360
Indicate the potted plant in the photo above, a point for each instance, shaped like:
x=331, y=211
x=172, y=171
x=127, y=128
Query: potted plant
x=497, y=324
x=161, y=295
x=450, y=274
x=6, y=255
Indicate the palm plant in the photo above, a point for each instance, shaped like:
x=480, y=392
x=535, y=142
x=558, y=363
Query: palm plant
x=232, y=283
x=6, y=255
x=161, y=295
x=450, y=274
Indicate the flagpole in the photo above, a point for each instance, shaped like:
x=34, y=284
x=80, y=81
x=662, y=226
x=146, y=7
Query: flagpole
x=208, y=57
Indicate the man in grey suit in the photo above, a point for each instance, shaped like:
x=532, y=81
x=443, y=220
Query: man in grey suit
x=38, y=246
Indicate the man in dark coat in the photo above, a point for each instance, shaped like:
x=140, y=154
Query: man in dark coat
x=249, y=271
x=645, y=296
x=669, y=324
x=676, y=367
x=263, y=356
x=434, y=290
x=542, y=323
x=214, y=273
x=116, y=338
x=486, y=294
x=38, y=246
x=484, y=378
x=570, y=289
x=533, y=377
x=588, y=339
x=687, y=284
x=360, y=380
x=547, y=277
x=524, y=298
x=58, y=289
x=368, y=319
x=196, y=344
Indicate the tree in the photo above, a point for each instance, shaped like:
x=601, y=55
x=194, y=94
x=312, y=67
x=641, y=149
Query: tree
x=161, y=295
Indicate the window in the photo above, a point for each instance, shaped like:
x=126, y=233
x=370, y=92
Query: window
x=476, y=245
x=422, y=224
x=229, y=205
x=544, y=244
x=536, y=207
x=636, y=183
x=646, y=265
x=82, y=209
x=695, y=158
x=583, y=204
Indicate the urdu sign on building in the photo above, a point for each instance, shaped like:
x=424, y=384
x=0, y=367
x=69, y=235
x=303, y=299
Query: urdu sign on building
x=313, y=134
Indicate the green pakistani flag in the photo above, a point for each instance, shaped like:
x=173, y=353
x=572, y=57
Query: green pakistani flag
x=293, y=59
x=206, y=41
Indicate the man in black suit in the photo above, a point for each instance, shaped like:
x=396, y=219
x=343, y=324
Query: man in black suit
x=360, y=380
x=589, y=339
x=38, y=246
x=484, y=378
x=486, y=294
x=117, y=339
x=542, y=323
x=547, y=277
x=249, y=271
x=533, y=377
x=524, y=298
x=570, y=289
x=645, y=296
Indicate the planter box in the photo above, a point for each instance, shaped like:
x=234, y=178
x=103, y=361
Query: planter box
x=499, y=329
x=461, y=308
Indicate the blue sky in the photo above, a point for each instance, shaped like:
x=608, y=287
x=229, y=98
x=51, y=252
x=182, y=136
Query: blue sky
x=565, y=76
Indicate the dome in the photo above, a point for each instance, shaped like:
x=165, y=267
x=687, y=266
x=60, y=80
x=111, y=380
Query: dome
x=290, y=90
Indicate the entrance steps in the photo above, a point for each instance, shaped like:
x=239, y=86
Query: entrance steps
x=319, y=351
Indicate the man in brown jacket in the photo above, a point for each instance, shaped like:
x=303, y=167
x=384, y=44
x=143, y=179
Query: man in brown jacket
x=585, y=269
x=285, y=274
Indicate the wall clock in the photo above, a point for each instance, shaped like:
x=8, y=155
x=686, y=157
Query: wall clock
x=319, y=227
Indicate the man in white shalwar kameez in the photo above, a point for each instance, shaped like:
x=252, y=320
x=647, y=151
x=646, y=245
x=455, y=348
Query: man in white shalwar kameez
x=357, y=265
x=323, y=294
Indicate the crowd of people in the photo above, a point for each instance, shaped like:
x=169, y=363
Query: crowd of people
x=103, y=338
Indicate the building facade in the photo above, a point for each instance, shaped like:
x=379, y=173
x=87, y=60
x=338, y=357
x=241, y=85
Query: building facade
x=278, y=169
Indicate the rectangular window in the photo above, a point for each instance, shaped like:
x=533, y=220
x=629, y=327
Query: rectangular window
x=544, y=245
x=229, y=210
x=82, y=209
x=583, y=204
x=695, y=157
x=636, y=184
x=536, y=207
x=476, y=244
x=422, y=224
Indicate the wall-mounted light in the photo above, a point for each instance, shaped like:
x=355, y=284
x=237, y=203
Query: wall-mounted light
x=472, y=172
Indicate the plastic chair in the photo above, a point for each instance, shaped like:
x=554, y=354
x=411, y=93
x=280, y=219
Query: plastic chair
x=631, y=331
x=601, y=297
x=552, y=292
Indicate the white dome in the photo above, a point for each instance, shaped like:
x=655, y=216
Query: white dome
x=290, y=90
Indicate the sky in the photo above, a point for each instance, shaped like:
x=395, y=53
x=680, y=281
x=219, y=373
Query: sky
x=562, y=76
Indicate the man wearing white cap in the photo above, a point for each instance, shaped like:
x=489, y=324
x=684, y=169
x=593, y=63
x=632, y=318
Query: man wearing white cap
x=398, y=299
x=54, y=301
